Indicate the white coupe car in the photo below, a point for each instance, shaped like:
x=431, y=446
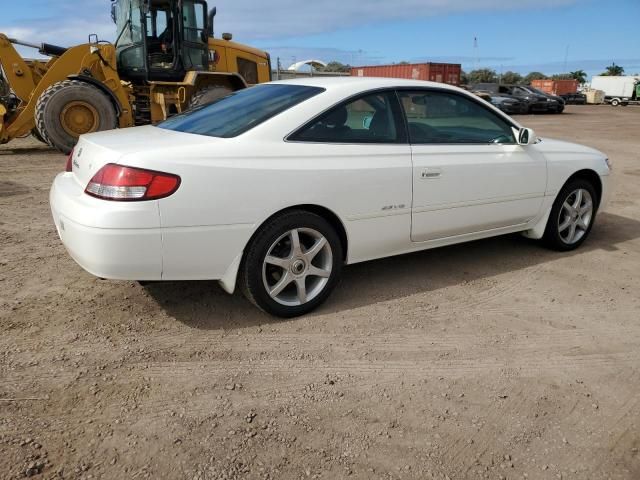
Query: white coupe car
x=276, y=187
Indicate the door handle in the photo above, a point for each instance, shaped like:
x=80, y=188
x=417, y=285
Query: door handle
x=430, y=173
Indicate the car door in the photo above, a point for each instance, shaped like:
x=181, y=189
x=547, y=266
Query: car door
x=469, y=173
x=363, y=171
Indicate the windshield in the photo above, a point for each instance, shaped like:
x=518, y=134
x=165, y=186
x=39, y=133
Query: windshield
x=241, y=111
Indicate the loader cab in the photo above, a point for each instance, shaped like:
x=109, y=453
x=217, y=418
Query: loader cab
x=160, y=40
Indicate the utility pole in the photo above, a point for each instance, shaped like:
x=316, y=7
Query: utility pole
x=476, y=58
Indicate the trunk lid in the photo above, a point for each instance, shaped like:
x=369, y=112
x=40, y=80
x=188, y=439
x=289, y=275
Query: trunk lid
x=95, y=150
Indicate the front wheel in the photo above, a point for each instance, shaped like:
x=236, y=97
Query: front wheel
x=292, y=264
x=572, y=216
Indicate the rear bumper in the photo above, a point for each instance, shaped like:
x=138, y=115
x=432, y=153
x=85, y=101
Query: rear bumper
x=121, y=241
x=126, y=241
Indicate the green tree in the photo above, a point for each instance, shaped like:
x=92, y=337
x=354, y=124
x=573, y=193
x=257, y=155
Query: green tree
x=562, y=76
x=614, y=70
x=464, y=78
x=533, y=76
x=511, y=78
x=335, y=66
x=580, y=76
x=483, y=75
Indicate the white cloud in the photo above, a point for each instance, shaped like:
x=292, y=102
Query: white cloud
x=252, y=21
x=291, y=18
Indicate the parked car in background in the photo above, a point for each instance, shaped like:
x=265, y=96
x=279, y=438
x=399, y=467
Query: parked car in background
x=508, y=104
x=274, y=188
x=534, y=102
x=574, y=98
x=559, y=105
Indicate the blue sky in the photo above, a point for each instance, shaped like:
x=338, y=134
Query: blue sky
x=521, y=35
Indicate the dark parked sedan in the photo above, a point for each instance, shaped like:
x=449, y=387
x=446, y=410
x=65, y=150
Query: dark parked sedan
x=508, y=104
x=559, y=100
x=534, y=102
x=575, y=99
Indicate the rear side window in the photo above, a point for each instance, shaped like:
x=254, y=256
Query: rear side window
x=435, y=117
x=370, y=118
x=248, y=70
x=241, y=111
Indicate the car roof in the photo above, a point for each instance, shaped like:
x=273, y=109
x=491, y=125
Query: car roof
x=362, y=83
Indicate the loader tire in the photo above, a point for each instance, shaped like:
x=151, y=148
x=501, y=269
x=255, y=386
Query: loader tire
x=36, y=134
x=72, y=108
x=209, y=94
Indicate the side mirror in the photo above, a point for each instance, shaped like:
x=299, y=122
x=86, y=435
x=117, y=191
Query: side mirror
x=527, y=136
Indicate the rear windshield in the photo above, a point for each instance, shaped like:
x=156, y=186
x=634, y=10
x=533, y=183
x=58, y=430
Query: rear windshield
x=241, y=111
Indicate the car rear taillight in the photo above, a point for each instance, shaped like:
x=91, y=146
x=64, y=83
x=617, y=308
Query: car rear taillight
x=69, y=167
x=130, y=184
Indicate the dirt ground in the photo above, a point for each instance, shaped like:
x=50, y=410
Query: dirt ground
x=495, y=359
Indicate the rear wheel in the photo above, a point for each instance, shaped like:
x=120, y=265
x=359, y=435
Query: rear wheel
x=292, y=264
x=615, y=102
x=72, y=108
x=572, y=215
x=208, y=95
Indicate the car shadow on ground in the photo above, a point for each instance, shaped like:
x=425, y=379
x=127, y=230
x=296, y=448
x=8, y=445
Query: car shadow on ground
x=203, y=305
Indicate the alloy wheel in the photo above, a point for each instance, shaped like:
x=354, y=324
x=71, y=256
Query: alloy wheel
x=575, y=216
x=297, y=267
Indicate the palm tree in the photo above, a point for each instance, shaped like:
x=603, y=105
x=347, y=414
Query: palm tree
x=614, y=70
x=579, y=75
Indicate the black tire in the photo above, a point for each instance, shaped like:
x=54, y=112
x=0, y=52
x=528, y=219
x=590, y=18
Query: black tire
x=95, y=106
x=615, y=102
x=251, y=280
x=36, y=134
x=552, y=237
x=209, y=94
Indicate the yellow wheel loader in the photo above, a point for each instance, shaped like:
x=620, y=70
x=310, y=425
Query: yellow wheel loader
x=165, y=60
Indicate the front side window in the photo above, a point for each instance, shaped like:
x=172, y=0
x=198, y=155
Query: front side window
x=193, y=21
x=436, y=117
x=241, y=111
x=195, y=52
x=368, y=119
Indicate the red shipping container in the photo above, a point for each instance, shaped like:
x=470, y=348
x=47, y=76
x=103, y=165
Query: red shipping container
x=435, y=72
x=556, y=87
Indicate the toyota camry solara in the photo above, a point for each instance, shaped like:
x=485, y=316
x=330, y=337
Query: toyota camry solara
x=274, y=188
